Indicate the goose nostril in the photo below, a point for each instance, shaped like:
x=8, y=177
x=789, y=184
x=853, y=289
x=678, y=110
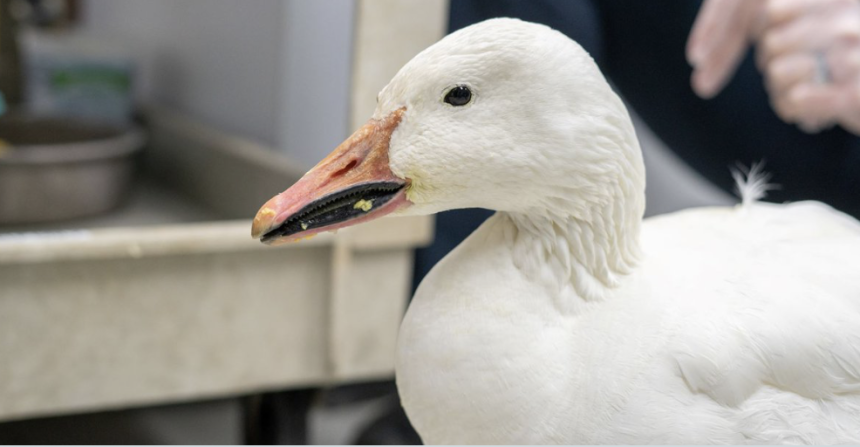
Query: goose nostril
x=345, y=169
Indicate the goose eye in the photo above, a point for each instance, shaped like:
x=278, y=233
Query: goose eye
x=458, y=96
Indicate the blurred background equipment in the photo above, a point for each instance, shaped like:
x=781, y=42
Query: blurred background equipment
x=17, y=16
x=69, y=146
x=60, y=168
x=11, y=76
x=77, y=76
x=159, y=320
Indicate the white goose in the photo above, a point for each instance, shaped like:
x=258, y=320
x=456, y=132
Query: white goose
x=564, y=318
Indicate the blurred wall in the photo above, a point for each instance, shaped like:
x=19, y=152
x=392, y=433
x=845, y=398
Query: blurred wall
x=274, y=70
x=315, y=95
x=378, y=57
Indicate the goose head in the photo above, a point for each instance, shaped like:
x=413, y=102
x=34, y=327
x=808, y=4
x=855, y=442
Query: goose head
x=505, y=115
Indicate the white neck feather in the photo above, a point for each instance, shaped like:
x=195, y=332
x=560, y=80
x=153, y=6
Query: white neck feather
x=587, y=240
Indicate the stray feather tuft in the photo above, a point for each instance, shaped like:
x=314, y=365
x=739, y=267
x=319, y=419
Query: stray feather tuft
x=751, y=184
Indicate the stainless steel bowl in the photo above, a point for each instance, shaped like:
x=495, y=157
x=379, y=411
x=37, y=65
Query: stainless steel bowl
x=55, y=169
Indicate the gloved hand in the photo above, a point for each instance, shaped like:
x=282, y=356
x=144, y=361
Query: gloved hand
x=808, y=51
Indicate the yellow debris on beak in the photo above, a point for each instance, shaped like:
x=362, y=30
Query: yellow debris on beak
x=364, y=205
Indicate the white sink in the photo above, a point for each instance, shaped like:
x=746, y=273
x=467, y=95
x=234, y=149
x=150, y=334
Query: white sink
x=169, y=299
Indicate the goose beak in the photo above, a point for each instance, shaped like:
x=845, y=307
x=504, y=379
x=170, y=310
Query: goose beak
x=353, y=184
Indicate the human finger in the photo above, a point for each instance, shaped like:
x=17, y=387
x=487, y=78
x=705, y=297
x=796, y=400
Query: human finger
x=788, y=70
x=781, y=11
x=716, y=21
x=718, y=42
x=809, y=33
x=712, y=74
x=841, y=65
x=816, y=106
x=849, y=118
x=843, y=62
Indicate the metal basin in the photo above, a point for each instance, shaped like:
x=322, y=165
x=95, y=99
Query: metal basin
x=55, y=169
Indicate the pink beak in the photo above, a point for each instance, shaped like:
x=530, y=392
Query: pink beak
x=353, y=184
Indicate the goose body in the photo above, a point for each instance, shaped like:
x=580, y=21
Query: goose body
x=565, y=318
x=739, y=326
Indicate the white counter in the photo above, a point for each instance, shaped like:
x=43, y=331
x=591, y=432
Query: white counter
x=169, y=299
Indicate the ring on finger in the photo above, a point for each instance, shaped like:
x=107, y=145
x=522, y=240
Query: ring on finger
x=822, y=74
